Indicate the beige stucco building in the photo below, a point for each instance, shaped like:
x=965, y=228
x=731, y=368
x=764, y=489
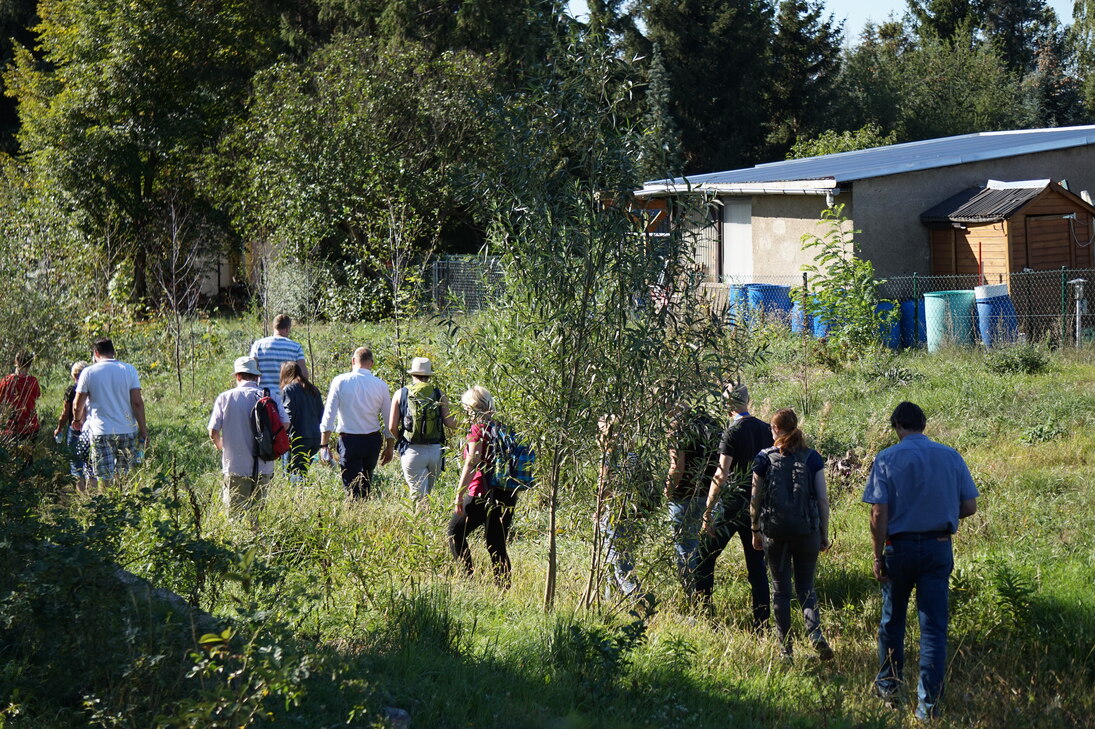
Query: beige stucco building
x=760, y=214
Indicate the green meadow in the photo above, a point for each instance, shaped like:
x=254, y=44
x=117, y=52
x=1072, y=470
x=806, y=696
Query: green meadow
x=328, y=612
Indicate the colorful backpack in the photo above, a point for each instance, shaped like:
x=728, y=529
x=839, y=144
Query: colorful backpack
x=513, y=460
x=271, y=437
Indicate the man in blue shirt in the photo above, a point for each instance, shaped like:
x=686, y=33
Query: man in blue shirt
x=918, y=491
x=271, y=352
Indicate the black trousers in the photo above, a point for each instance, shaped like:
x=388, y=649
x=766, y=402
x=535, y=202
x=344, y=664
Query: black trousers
x=493, y=510
x=358, y=455
x=710, y=549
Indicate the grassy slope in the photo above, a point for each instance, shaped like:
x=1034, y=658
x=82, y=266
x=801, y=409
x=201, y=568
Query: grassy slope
x=456, y=653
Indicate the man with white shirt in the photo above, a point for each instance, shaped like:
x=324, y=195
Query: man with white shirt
x=110, y=410
x=245, y=475
x=357, y=406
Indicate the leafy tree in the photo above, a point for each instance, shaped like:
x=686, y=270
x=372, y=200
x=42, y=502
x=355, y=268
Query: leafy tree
x=834, y=142
x=718, y=56
x=806, y=60
x=331, y=144
x=17, y=17
x=946, y=20
x=934, y=88
x=659, y=153
x=129, y=98
x=1017, y=29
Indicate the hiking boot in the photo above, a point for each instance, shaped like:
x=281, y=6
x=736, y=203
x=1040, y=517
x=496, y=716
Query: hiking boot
x=887, y=691
x=824, y=651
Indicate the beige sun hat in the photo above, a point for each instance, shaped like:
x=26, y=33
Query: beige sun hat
x=420, y=366
x=246, y=366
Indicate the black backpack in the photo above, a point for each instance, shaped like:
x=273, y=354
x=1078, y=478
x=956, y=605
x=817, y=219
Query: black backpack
x=271, y=437
x=788, y=504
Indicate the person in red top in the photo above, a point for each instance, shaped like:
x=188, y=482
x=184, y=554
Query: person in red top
x=19, y=393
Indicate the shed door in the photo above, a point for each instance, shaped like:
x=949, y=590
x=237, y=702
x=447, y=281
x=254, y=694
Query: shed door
x=737, y=239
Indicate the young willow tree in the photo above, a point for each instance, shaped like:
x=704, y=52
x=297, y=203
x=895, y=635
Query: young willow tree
x=580, y=332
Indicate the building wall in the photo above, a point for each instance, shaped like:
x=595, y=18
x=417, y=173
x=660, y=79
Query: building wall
x=888, y=208
x=1044, y=244
x=779, y=222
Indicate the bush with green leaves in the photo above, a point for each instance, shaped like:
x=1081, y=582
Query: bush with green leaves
x=1022, y=359
x=843, y=289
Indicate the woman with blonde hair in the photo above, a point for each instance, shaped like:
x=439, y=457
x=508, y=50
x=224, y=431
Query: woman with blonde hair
x=478, y=503
x=789, y=511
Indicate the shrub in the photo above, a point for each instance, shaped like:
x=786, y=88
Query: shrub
x=1023, y=359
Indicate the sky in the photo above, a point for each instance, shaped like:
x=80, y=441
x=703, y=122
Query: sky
x=856, y=13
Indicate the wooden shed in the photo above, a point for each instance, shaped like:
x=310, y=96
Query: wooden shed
x=1007, y=227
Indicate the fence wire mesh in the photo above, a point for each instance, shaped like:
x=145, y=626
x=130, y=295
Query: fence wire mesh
x=466, y=283
x=1058, y=305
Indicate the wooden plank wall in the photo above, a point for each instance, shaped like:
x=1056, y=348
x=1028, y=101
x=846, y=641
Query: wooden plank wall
x=1048, y=243
x=971, y=250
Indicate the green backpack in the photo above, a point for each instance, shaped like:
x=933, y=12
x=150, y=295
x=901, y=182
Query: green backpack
x=420, y=406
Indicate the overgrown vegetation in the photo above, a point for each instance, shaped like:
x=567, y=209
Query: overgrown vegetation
x=339, y=610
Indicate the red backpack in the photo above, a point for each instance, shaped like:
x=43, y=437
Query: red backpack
x=271, y=437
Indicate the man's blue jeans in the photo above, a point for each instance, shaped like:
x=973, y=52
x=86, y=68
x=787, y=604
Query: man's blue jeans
x=923, y=562
x=620, y=536
x=685, y=517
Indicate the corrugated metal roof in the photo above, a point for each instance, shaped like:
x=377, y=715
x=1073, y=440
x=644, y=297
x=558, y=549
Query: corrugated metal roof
x=894, y=159
x=981, y=205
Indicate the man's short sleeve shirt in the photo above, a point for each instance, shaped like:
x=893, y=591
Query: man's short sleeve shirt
x=107, y=385
x=922, y=483
x=271, y=353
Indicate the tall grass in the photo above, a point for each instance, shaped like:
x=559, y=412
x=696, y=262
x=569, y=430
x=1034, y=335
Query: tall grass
x=370, y=591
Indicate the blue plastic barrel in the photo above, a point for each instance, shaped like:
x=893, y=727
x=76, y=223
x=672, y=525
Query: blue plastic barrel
x=949, y=317
x=891, y=332
x=913, y=328
x=769, y=298
x=736, y=303
x=799, y=319
x=997, y=321
x=822, y=325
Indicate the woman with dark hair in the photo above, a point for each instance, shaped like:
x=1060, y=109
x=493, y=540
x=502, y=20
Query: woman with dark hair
x=304, y=406
x=789, y=511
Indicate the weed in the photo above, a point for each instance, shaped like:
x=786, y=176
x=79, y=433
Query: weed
x=1023, y=359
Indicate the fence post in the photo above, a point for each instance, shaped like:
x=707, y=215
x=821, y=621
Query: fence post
x=916, y=311
x=1064, y=305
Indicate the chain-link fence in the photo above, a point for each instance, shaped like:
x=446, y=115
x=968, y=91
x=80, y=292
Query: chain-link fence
x=466, y=283
x=931, y=310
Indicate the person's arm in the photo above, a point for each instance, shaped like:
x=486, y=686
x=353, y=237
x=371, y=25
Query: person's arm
x=136, y=403
x=967, y=507
x=726, y=462
x=215, y=436
x=66, y=417
x=330, y=414
x=822, y=494
x=880, y=524
x=446, y=416
x=79, y=411
x=676, y=471
x=389, y=438
x=393, y=416
x=471, y=462
x=754, y=511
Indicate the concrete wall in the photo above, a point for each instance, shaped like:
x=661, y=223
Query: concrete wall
x=888, y=208
x=779, y=222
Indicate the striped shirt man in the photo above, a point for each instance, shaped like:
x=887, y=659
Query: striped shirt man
x=271, y=352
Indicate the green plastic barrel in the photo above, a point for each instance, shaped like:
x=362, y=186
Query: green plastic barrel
x=949, y=318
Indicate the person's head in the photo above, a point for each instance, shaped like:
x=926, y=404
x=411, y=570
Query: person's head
x=282, y=324
x=362, y=357
x=290, y=373
x=908, y=418
x=737, y=397
x=102, y=349
x=421, y=369
x=77, y=368
x=788, y=437
x=246, y=368
x=478, y=403
x=23, y=360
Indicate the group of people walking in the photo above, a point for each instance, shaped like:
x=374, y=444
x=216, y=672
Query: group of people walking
x=759, y=482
